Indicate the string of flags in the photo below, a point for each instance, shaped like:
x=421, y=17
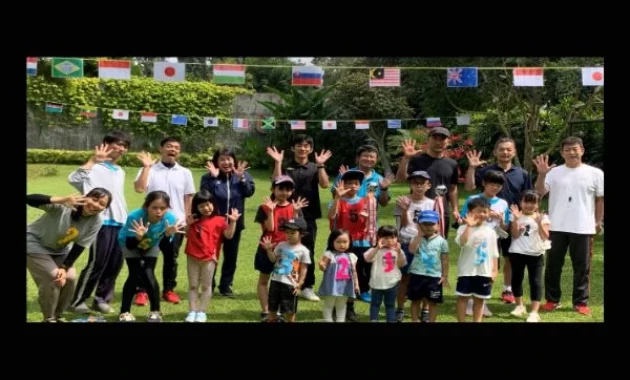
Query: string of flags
x=243, y=123
x=456, y=77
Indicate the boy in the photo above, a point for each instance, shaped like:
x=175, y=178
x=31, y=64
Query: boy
x=291, y=260
x=308, y=177
x=429, y=266
x=349, y=211
x=478, y=261
x=408, y=208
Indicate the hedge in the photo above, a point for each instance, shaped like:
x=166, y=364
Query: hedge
x=79, y=157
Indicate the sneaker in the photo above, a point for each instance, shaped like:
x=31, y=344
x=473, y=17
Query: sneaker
x=103, y=307
x=519, y=311
x=424, y=316
x=126, y=317
x=551, y=306
x=81, y=308
x=227, y=292
x=191, y=316
x=264, y=317
x=582, y=309
x=49, y=320
x=308, y=294
x=171, y=296
x=365, y=297
x=155, y=316
x=61, y=320
x=507, y=297
x=201, y=317
x=400, y=315
x=142, y=299
x=486, y=312
x=351, y=316
x=533, y=317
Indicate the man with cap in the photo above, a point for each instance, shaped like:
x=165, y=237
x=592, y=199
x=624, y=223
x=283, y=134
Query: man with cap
x=442, y=169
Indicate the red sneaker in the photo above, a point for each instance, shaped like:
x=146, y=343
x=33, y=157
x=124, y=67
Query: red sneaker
x=142, y=298
x=507, y=297
x=550, y=306
x=171, y=296
x=582, y=309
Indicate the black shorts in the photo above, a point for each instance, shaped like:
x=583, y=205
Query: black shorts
x=262, y=262
x=504, y=246
x=421, y=287
x=281, y=298
x=477, y=286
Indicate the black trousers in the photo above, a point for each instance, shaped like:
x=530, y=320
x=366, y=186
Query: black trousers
x=228, y=268
x=141, y=269
x=170, y=253
x=309, y=242
x=534, y=265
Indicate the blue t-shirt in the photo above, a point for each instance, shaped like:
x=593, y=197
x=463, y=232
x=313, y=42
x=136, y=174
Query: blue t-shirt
x=496, y=204
x=154, y=234
x=427, y=260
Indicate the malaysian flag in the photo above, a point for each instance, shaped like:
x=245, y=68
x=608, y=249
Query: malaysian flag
x=385, y=77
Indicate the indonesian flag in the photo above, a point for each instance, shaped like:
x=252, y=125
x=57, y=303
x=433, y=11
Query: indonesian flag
x=169, y=71
x=110, y=69
x=120, y=114
x=528, y=76
x=148, y=117
x=592, y=76
x=362, y=124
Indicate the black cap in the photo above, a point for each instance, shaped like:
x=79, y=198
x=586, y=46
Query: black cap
x=419, y=174
x=353, y=174
x=293, y=224
x=439, y=131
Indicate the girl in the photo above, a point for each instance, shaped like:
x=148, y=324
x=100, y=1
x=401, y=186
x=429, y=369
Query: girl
x=387, y=259
x=55, y=241
x=139, y=239
x=530, y=240
x=270, y=215
x=340, y=281
x=203, y=244
x=230, y=184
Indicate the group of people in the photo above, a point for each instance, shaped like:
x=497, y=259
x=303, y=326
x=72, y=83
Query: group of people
x=377, y=264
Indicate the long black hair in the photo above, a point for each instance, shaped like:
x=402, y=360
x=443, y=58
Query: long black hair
x=96, y=193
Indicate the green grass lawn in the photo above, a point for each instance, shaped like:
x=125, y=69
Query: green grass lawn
x=52, y=180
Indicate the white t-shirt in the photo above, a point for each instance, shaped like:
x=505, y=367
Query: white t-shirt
x=385, y=271
x=572, y=193
x=176, y=182
x=331, y=256
x=408, y=232
x=286, y=269
x=529, y=237
x=478, y=253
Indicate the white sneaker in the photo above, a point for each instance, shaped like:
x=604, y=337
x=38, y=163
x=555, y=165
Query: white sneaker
x=486, y=312
x=533, y=317
x=519, y=311
x=82, y=308
x=309, y=295
x=103, y=307
x=201, y=317
x=126, y=317
x=154, y=316
x=191, y=316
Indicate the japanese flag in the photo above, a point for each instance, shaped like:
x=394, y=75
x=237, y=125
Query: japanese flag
x=592, y=76
x=169, y=71
x=120, y=114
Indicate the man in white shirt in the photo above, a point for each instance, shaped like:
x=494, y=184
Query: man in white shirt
x=576, y=211
x=177, y=181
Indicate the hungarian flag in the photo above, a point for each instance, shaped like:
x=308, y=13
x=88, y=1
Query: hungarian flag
x=148, y=117
x=528, y=76
x=89, y=112
x=112, y=69
x=385, y=77
x=228, y=74
x=169, y=71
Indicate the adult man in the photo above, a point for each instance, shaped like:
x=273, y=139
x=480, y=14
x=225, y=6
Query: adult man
x=105, y=260
x=176, y=181
x=517, y=180
x=307, y=176
x=443, y=170
x=576, y=212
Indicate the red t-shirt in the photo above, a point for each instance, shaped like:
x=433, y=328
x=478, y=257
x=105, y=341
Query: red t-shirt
x=280, y=214
x=352, y=217
x=204, y=238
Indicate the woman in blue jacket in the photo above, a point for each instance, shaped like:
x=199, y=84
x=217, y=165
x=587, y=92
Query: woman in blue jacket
x=229, y=183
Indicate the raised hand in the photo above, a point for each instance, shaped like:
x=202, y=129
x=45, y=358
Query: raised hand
x=301, y=203
x=239, y=172
x=101, y=153
x=409, y=148
x=515, y=211
x=343, y=169
x=538, y=217
x=266, y=243
x=146, y=159
x=496, y=215
x=139, y=228
x=269, y=203
x=321, y=158
x=74, y=200
x=403, y=202
x=273, y=152
x=177, y=228
x=340, y=189
x=379, y=244
x=542, y=164
x=474, y=159
x=388, y=180
x=211, y=169
x=470, y=220
x=234, y=215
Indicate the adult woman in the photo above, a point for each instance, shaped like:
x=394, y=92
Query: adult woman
x=229, y=184
x=55, y=241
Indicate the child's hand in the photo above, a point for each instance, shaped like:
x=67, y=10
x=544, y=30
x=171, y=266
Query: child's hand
x=444, y=281
x=515, y=211
x=356, y=288
x=399, y=247
x=470, y=220
x=269, y=203
x=176, y=228
x=139, y=228
x=343, y=169
x=379, y=245
x=322, y=266
x=340, y=189
x=296, y=289
x=266, y=243
x=403, y=202
x=234, y=215
x=538, y=217
x=300, y=204
x=495, y=272
x=496, y=215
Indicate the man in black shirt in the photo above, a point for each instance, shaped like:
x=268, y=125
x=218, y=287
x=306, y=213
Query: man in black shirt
x=308, y=177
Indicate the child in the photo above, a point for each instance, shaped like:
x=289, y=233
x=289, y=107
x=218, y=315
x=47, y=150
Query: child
x=203, y=246
x=388, y=258
x=348, y=211
x=499, y=220
x=530, y=240
x=270, y=215
x=340, y=281
x=408, y=208
x=290, y=260
x=478, y=261
x=429, y=268
x=139, y=240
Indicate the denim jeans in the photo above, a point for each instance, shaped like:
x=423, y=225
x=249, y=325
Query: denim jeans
x=387, y=295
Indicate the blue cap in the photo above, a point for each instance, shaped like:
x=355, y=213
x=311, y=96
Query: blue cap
x=428, y=216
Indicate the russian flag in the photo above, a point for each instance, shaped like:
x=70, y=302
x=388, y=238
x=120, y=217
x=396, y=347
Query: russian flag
x=307, y=76
x=434, y=122
x=31, y=66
